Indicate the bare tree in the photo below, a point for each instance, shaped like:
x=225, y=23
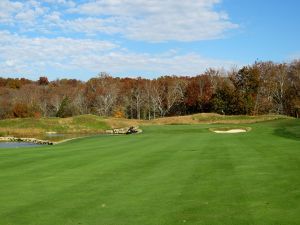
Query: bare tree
x=106, y=93
x=167, y=92
x=280, y=87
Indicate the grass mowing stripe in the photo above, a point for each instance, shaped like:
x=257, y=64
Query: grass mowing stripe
x=86, y=182
x=211, y=177
x=258, y=170
x=168, y=175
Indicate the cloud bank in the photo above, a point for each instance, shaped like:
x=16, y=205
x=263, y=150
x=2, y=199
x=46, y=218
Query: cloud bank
x=69, y=35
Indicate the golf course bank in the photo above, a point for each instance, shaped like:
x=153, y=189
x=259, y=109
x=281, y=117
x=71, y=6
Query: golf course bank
x=120, y=131
x=28, y=140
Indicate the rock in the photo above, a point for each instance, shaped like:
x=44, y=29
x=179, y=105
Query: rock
x=29, y=140
x=120, y=131
x=125, y=130
x=109, y=131
x=132, y=130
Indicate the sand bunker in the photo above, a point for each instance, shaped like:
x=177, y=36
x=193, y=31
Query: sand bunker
x=231, y=131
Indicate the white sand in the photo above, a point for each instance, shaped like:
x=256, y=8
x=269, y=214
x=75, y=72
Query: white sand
x=51, y=132
x=232, y=131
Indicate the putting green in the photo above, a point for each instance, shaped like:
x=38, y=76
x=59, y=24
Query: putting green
x=168, y=175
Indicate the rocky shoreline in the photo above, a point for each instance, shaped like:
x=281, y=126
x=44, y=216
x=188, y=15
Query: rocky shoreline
x=28, y=140
x=125, y=130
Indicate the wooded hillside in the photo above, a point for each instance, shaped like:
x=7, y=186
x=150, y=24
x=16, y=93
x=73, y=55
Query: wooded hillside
x=262, y=88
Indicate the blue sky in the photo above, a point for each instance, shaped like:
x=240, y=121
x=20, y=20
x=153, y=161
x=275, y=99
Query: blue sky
x=79, y=39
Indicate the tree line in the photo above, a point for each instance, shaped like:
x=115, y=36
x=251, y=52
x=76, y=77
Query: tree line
x=260, y=88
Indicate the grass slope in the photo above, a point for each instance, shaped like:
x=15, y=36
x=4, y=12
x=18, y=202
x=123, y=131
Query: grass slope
x=217, y=118
x=169, y=175
x=32, y=127
x=90, y=124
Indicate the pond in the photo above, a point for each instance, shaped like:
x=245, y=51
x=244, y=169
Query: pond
x=17, y=144
x=51, y=137
x=55, y=137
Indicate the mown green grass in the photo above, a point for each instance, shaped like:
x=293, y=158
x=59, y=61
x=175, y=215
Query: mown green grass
x=168, y=175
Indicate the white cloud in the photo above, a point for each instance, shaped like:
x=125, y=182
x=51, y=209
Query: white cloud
x=157, y=20
x=10, y=62
x=7, y=9
x=20, y=13
x=146, y=20
x=53, y=17
x=67, y=3
x=22, y=55
x=158, y=64
x=88, y=25
x=36, y=54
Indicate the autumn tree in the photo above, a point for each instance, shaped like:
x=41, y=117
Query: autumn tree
x=198, y=94
x=293, y=91
x=65, y=109
x=246, y=82
x=261, y=88
x=102, y=93
x=43, y=81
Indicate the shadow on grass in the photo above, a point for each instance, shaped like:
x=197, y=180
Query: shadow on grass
x=290, y=130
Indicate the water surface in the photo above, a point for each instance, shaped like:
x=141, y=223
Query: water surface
x=17, y=144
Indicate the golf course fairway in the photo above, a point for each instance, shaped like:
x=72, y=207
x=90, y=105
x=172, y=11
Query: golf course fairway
x=168, y=175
